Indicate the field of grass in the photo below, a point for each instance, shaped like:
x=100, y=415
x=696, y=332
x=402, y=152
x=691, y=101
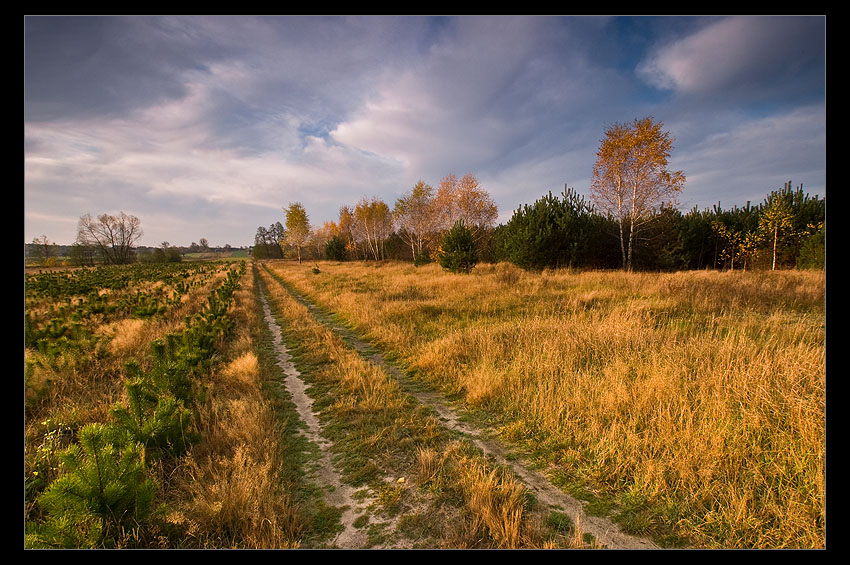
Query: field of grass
x=234, y=484
x=689, y=405
x=425, y=486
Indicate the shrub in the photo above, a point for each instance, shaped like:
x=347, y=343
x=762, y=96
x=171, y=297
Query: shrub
x=813, y=252
x=550, y=233
x=457, y=253
x=155, y=418
x=335, y=249
x=104, y=491
x=421, y=259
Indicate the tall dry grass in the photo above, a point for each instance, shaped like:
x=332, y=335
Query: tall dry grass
x=695, y=400
x=229, y=491
x=494, y=502
x=377, y=428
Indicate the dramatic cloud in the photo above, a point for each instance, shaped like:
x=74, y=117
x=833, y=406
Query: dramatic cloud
x=727, y=158
x=209, y=126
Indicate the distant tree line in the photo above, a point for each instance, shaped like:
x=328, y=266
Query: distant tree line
x=632, y=222
x=108, y=239
x=787, y=230
x=371, y=230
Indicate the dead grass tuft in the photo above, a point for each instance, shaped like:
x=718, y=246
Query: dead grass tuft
x=237, y=501
x=244, y=369
x=127, y=336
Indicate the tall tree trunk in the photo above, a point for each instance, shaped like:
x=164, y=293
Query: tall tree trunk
x=620, y=222
x=775, y=237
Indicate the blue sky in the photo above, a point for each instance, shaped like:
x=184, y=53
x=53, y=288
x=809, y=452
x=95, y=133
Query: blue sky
x=206, y=127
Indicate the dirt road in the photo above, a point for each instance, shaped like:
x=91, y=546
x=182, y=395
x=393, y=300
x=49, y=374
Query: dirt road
x=606, y=533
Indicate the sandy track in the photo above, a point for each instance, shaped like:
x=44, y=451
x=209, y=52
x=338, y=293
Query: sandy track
x=337, y=493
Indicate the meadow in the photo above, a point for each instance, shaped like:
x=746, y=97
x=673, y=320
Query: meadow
x=689, y=405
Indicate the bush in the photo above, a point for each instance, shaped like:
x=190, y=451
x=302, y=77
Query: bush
x=458, y=253
x=553, y=232
x=813, y=252
x=421, y=259
x=155, y=418
x=104, y=491
x=335, y=249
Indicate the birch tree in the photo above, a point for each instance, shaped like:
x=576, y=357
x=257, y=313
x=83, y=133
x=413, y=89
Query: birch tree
x=322, y=235
x=774, y=221
x=373, y=225
x=414, y=217
x=630, y=178
x=346, y=228
x=464, y=200
x=297, y=226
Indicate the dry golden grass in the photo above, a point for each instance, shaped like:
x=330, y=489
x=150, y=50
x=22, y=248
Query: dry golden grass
x=229, y=491
x=697, y=397
x=495, y=503
x=383, y=423
x=126, y=337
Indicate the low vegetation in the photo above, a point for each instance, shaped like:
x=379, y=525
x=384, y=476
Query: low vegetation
x=430, y=488
x=163, y=440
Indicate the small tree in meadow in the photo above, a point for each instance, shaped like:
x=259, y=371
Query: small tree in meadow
x=297, y=226
x=775, y=221
x=335, y=249
x=813, y=252
x=457, y=253
x=103, y=492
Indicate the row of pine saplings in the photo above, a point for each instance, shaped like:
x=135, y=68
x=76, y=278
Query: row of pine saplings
x=106, y=490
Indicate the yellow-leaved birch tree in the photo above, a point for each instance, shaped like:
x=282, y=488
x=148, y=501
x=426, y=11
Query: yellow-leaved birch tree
x=630, y=178
x=414, y=217
x=297, y=226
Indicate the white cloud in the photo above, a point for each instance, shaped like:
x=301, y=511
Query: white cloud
x=465, y=102
x=735, y=53
x=259, y=112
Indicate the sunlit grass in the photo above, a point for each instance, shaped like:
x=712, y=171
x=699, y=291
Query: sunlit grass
x=231, y=490
x=693, y=401
x=380, y=433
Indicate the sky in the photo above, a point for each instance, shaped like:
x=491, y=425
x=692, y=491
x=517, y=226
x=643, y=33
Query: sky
x=207, y=127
